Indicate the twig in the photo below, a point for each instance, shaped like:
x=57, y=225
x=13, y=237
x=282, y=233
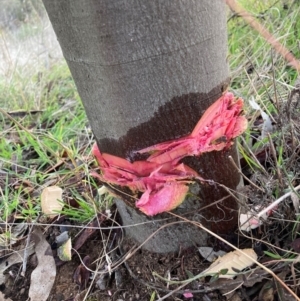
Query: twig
x=199, y=225
x=26, y=253
x=240, y=172
x=241, y=252
x=278, y=201
x=253, y=156
x=172, y=292
x=238, y=9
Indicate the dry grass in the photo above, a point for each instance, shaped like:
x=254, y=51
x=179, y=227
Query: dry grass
x=41, y=145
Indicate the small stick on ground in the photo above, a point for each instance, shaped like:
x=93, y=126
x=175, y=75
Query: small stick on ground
x=254, y=157
x=288, y=56
x=278, y=201
x=240, y=172
x=26, y=252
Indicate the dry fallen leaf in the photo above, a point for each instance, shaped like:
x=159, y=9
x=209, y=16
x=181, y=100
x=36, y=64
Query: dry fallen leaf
x=64, y=251
x=82, y=273
x=15, y=235
x=267, y=124
x=51, y=200
x=295, y=200
x=296, y=245
x=209, y=254
x=233, y=262
x=43, y=276
x=267, y=292
x=16, y=257
x=2, y=297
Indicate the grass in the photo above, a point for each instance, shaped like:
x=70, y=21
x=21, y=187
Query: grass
x=37, y=135
x=41, y=145
x=51, y=136
x=258, y=71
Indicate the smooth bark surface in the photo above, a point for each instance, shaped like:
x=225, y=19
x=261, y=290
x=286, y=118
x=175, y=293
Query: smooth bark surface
x=146, y=71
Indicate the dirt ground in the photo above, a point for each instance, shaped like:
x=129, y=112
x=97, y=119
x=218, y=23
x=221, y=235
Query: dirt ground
x=116, y=276
x=134, y=279
x=131, y=281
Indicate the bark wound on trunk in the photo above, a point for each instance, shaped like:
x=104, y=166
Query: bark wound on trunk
x=175, y=119
x=146, y=72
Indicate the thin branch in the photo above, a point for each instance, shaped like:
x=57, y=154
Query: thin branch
x=278, y=201
x=253, y=156
x=241, y=252
x=287, y=55
x=240, y=172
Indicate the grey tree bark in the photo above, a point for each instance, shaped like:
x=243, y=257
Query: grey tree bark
x=146, y=71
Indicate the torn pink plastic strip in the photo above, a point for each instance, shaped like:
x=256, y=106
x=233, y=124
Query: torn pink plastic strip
x=161, y=178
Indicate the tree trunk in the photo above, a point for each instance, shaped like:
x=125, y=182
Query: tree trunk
x=146, y=71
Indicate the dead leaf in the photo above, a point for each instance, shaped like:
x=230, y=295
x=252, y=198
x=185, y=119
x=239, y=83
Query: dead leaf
x=82, y=274
x=43, y=276
x=296, y=245
x=64, y=251
x=51, y=201
x=267, y=124
x=2, y=297
x=295, y=200
x=252, y=277
x=282, y=293
x=231, y=295
x=209, y=254
x=90, y=229
x=81, y=296
x=16, y=257
x=267, y=292
x=234, y=262
x=16, y=233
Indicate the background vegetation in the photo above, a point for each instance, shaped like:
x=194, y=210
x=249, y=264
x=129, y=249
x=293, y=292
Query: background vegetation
x=45, y=138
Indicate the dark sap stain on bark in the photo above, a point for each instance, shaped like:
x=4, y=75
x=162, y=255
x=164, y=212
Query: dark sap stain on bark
x=221, y=218
x=175, y=119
